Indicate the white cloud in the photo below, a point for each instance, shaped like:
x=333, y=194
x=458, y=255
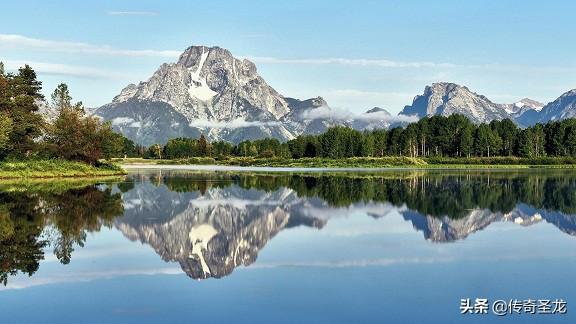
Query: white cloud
x=383, y=116
x=355, y=93
x=23, y=282
x=236, y=123
x=347, y=115
x=354, y=263
x=10, y=41
x=384, y=63
x=132, y=13
x=64, y=69
x=353, y=62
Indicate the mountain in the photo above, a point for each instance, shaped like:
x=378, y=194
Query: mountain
x=446, y=229
x=207, y=91
x=445, y=99
x=525, y=112
x=561, y=108
x=374, y=118
x=312, y=116
x=211, y=233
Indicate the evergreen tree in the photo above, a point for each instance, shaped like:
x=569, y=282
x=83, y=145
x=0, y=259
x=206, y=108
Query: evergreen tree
x=5, y=130
x=61, y=98
x=203, y=146
x=23, y=93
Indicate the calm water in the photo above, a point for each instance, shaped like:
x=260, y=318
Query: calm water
x=170, y=246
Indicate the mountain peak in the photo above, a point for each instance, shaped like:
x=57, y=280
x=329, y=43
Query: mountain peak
x=569, y=93
x=377, y=110
x=207, y=91
x=446, y=98
x=561, y=108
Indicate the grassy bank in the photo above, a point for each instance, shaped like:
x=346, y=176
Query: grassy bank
x=367, y=162
x=55, y=169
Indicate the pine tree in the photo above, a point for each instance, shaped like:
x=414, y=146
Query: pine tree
x=24, y=93
x=61, y=98
x=5, y=130
x=202, y=146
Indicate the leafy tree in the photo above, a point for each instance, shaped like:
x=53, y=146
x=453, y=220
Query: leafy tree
x=155, y=151
x=380, y=138
x=74, y=136
x=487, y=141
x=466, y=140
x=368, y=147
x=222, y=149
x=394, y=137
x=508, y=132
x=409, y=140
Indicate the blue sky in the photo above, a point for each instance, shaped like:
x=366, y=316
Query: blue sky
x=356, y=54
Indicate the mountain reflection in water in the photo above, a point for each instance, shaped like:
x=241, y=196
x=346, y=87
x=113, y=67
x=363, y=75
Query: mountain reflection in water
x=211, y=223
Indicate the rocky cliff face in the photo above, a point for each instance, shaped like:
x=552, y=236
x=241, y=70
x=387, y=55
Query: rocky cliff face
x=445, y=229
x=445, y=99
x=210, y=91
x=207, y=91
x=209, y=234
x=522, y=106
x=561, y=108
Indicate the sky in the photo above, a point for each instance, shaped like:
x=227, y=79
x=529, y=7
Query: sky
x=355, y=54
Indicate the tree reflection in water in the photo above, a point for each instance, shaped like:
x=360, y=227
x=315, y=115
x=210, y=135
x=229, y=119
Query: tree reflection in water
x=211, y=223
x=50, y=215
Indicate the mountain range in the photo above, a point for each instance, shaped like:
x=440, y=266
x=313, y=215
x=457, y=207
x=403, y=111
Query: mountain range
x=209, y=91
x=212, y=231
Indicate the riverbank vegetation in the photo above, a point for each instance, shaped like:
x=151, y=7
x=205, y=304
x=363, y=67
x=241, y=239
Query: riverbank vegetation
x=67, y=144
x=437, y=140
x=56, y=168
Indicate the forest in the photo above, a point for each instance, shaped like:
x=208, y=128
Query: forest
x=453, y=136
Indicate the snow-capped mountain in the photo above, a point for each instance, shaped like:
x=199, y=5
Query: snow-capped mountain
x=446, y=229
x=312, y=116
x=522, y=106
x=561, y=108
x=210, y=234
x=207, y=91
x=445, y=99
x=525, y=112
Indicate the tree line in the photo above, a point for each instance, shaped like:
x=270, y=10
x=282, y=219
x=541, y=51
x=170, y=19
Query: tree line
x=436, y=136
x=71, y=135
x=433, y=194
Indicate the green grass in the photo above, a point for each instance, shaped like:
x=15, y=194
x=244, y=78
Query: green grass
x=56, y=169
x=371, y=162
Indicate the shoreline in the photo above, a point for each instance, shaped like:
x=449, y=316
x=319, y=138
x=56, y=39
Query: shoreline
x=380, y=163
x=57, y=169
x=236, y=168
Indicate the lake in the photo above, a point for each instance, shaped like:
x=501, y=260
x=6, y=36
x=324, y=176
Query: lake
x=181, y=246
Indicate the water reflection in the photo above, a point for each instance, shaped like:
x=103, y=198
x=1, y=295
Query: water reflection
x=211, y=223
x=38, y=216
